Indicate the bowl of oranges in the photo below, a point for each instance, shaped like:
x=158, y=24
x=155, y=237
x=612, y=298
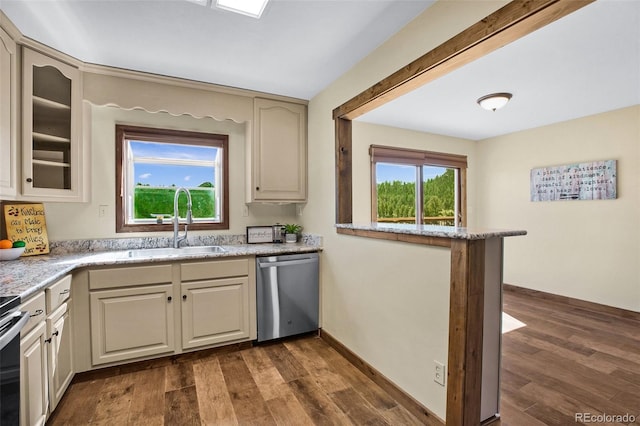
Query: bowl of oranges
x=11, y=250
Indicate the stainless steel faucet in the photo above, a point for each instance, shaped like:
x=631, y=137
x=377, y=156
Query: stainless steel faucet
x=176, y=218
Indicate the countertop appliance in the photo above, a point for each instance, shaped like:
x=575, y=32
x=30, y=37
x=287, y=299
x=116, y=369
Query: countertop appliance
x=11, y=322
x=287, y=295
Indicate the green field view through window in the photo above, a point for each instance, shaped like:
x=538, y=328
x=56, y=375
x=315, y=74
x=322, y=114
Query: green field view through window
x=151, y=202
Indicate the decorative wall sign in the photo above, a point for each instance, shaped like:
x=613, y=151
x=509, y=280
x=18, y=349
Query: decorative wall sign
x=581, y=181
x=26, y=222
x=259, y=234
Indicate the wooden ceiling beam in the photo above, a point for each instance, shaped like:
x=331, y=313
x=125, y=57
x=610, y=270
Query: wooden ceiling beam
x=507, y=24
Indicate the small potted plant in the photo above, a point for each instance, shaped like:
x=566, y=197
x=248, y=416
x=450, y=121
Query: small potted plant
x=291, y=232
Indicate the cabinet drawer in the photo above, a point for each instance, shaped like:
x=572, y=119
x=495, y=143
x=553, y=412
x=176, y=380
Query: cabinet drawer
x=36, y=308
x=58, y=293
x=124, y=277
x=214, y=269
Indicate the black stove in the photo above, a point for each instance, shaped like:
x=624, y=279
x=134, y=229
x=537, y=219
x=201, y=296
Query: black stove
x=11, y=322
x=8, y=303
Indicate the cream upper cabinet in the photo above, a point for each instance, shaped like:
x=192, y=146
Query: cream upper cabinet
x=52, y=148
x=278, y=154
x=8, y=117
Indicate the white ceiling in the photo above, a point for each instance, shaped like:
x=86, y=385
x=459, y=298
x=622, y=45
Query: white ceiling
x=296, y=49
x=584, y=64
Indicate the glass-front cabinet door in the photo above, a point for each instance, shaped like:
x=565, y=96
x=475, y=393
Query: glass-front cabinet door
x=52, y=114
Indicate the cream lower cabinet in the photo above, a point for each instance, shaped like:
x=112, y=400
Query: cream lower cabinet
x=146, y=311
x=130, y=323
x=217, y=302
x=215, y=311
x=46, y=367
x=33, y=377
x=59, y=353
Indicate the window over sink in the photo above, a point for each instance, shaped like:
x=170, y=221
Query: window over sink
x=151, y=164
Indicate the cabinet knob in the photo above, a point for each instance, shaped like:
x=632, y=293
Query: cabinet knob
x=184, y=297
x=29, y=180
x=257, y=188
x=55, y=333
x=37, y=313
x=169, y=299
x=47, y=340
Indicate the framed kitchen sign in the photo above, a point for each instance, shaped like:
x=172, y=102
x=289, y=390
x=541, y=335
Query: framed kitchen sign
x=579, y=181
x=26, y=222
x=259, y=234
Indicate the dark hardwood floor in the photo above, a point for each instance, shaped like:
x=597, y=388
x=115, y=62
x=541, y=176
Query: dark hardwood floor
x=566, y=360
x=295, y=382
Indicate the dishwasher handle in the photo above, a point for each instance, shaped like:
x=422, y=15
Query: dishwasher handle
x=286, y=263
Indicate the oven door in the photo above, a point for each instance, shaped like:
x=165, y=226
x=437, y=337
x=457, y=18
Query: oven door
x=10, y=326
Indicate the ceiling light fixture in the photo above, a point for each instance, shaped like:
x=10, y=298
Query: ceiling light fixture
x=253, y=8
x=494, y=101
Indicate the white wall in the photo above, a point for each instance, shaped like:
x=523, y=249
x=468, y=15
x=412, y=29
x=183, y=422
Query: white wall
x=388, y=302
x=68, y=221
x=588, y=250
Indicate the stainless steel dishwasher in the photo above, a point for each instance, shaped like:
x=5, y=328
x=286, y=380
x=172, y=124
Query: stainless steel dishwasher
x=287, y=295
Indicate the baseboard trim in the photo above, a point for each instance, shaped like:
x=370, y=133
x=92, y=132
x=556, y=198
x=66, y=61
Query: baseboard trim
x=578, y=303
x=412, y=405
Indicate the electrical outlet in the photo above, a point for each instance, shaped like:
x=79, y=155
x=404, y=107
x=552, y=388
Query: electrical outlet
x=245, y=210
x=439, y=373
x=102, y=210
x=299, y=210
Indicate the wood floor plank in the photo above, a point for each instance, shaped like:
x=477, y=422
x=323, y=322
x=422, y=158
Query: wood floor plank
x=320, y=409
x=357, y=408
x=549, y=415
x=147, y=400
x=316, y=366
x=578, y=354
x=114, y=401
x=517, y=398
x=179, y=375
x=400, y=416
x=558, y=400
x=247, y=401
x=511, y=415
x=288, y=366
x=361, y=383
x=181, y=407
x=288, y=411
x=78, y=411
x=511, y=380
x=265, y=374
x=214, y=401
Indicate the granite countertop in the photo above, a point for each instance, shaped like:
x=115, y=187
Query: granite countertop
x=452, y=232
x=27, y=275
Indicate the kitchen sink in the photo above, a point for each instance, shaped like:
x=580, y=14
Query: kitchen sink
x=169, y=251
